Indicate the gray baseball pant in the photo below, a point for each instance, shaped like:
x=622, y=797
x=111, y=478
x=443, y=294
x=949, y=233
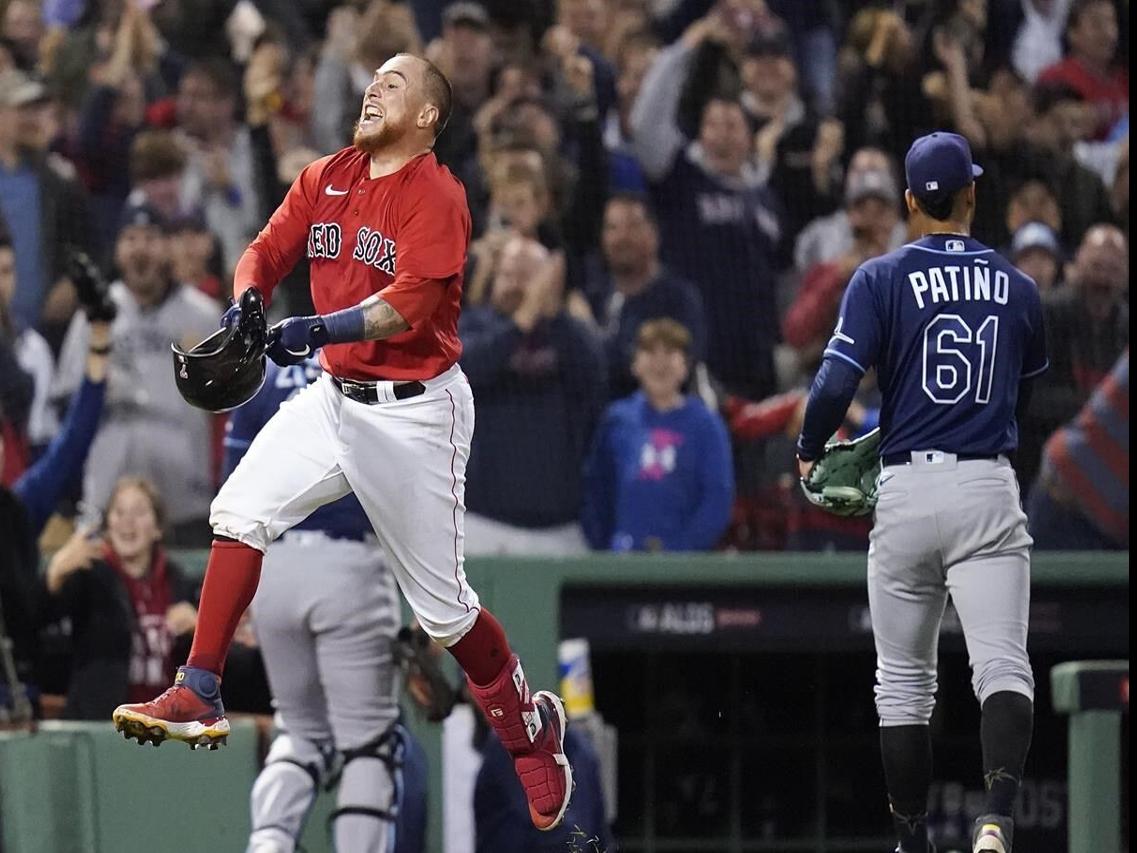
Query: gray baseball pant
x=325, y=614
x=948, y=527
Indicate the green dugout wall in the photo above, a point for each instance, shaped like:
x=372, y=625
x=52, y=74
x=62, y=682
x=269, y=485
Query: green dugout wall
x=79, y=787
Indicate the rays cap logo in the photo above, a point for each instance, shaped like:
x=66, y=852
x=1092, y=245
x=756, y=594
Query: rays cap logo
x=939, y=165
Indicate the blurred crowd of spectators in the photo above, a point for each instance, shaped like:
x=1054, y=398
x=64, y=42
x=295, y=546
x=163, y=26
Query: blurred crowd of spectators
x=669, y=198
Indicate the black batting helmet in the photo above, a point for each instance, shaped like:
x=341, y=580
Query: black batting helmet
x=227, y=368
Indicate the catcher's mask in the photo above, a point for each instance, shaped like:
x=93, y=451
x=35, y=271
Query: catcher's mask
x=227, y=368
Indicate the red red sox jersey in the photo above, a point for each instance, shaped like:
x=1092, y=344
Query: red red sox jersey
x=403, y=236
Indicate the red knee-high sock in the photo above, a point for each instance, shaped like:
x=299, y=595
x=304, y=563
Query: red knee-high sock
x=231, y=579
x=484, y=650
x=497, y=684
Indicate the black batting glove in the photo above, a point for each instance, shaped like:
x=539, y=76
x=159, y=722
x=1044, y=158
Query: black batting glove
x=91, y=288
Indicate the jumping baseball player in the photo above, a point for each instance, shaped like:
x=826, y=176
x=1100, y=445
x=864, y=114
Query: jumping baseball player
x=953, y=331
x=386, y=230
x=326, y=637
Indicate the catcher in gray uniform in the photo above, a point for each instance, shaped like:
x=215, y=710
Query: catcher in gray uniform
x=326, y=615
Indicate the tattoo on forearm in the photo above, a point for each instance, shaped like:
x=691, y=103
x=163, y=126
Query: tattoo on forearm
x=380, y=320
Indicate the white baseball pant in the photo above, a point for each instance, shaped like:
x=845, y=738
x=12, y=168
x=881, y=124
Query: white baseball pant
x=406, y=462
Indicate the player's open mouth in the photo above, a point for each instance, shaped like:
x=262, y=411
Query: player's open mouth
x=372, y=115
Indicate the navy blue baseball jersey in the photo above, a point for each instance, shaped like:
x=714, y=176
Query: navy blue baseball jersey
x=342, y=519
x=952, y=328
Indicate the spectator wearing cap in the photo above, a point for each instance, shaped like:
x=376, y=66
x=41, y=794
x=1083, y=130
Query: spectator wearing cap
x=42, y=210
x=148, y=430
x=1090, y=68
x=1080, y=501
x=1087, y=328
x=220, y=168
x=870, y=176
x=1035, y=250
x=531, y=365
x=719, y=225
x=874, y=228
x=659, y=475
x=635, y=287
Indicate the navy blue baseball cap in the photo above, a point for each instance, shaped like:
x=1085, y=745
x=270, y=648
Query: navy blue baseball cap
x=939, y=165
x=138, y=212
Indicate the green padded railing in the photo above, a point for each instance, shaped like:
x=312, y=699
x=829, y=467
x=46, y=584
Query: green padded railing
x=1094, y=694
x=78, y=787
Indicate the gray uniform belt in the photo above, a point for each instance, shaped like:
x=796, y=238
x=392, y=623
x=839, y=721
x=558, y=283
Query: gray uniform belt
x=932, y=457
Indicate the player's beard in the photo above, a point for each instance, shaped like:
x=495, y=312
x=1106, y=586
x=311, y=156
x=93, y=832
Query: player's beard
x=376, y=141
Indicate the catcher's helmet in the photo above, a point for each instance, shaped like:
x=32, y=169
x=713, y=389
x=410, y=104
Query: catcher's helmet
x=227, y=368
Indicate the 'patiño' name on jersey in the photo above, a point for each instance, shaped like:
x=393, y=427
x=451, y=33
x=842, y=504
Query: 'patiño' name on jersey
x=960, y=284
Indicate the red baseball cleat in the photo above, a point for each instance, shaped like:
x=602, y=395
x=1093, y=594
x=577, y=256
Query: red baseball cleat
x=190, y=711
x=533, y=733
x=545, y=773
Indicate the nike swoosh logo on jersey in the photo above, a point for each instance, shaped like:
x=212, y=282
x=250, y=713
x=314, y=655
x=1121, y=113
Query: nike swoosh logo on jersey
x=330, y=190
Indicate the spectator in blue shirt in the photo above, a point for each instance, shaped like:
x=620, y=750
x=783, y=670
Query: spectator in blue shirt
x=42, y=206
x=636, y=287
x=659, y=477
